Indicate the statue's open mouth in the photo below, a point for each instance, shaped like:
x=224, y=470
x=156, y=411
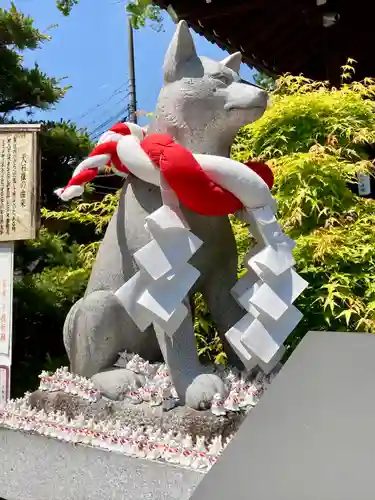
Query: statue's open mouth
x=238, y=107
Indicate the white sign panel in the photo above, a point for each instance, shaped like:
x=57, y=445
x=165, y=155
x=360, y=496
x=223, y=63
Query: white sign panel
x=6, y=302
x=6, y=297
x=364, y=184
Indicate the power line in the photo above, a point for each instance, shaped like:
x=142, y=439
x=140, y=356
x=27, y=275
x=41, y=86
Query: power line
x=93, y=122
x=117, y=91
x=105, y=126
x=97, y=132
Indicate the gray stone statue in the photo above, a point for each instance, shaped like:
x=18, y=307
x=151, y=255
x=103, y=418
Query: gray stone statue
x=202, y=106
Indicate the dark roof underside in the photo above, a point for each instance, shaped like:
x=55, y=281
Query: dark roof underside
x=280, y=36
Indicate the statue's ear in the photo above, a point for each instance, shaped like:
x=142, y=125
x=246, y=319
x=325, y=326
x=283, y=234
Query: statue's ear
x=233, y=61
x=180, y=51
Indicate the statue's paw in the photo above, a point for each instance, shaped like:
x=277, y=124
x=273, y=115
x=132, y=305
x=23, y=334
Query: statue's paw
x=201, y=391
x=115, y=382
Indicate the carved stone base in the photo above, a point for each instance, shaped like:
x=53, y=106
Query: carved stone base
x=70, y=408
x=179, y=419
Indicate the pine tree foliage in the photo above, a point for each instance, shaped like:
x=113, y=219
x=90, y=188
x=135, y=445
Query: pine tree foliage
x=22, y=87
x=50, y=272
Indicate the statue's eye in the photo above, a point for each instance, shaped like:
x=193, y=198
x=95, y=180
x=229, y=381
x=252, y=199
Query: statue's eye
x=226, y=80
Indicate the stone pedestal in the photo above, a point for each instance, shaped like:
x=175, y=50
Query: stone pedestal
x=186, y=443
x=37, y=468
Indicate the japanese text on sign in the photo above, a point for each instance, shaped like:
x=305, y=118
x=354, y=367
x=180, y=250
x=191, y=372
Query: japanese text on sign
x=4, y=384
x=18, y=185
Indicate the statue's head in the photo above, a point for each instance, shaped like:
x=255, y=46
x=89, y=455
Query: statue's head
x=200, y=93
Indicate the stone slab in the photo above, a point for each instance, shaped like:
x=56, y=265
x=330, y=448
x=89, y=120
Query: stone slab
x=37, y=468
x=312, y=435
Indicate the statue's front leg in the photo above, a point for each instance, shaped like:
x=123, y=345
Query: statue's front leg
x=224, y=310
x=195, y=385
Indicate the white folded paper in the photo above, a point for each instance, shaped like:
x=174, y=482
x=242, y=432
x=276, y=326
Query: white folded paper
x=174, y=322
x=266, y=292
x=165, y=218
x=264, y=223
x=265, y=336
x=234, y=336
x=163, y=296
x=156, y=293
x=248, y=280
x=265, y=299
x=129, y=293
x=168, y=254
x=271, y=260
x=288, y=286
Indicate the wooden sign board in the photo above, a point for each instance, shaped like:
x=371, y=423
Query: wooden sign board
x=19, y=182
x=19, y=220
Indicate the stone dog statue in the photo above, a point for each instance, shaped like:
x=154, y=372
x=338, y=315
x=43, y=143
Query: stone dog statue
x=202, y=106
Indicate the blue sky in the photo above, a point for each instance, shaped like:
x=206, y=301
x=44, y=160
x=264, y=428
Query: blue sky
x=90, y=49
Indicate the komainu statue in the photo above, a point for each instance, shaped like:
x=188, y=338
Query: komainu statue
x=170, y=237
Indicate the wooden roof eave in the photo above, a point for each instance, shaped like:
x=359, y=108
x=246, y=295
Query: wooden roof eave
x=213, y=37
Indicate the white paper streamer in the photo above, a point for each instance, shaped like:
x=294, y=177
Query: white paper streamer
x=267, y=292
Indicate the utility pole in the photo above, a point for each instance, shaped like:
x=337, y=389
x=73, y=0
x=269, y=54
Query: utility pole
x=132, y=94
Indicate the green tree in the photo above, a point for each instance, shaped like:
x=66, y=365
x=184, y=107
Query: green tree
x=317, y=139
x=49, y=272
x=22, y=87
x=63, y=146
x=140, y=11
x=264, y=80
x=49, y=278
